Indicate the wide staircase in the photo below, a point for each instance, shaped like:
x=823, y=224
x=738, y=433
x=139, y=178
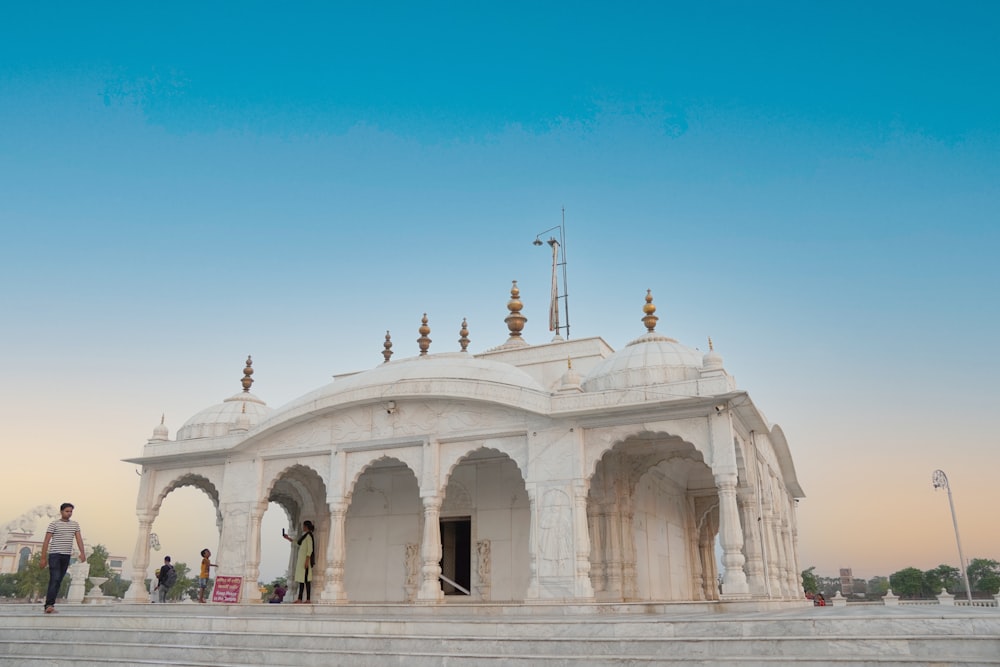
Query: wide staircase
x=484, y=635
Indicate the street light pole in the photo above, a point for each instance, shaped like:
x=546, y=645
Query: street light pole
x=940, y=481
x=562, y=262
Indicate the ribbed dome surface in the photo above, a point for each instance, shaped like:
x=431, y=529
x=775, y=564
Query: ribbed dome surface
x=648, y=360
x=219, y=419
x=448, y=366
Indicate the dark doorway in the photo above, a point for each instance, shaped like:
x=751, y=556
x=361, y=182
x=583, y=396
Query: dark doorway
x=456, y=554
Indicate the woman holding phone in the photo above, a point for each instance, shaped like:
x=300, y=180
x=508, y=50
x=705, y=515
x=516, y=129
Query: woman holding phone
x=304, y=561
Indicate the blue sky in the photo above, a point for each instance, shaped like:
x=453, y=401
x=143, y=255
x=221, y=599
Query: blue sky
x=815, y=186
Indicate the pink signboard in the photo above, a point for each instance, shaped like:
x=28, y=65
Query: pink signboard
x=227, y=589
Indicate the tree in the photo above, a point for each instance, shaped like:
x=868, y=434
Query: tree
x=98, y=560
x=183, y=585
x=907, y=583
x=942, y=577
x=984, y=576
x=878, y=586
x=115, y=586
x=33, y=580
x=810, y=584
x=8, y=585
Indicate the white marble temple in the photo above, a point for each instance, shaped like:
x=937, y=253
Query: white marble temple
x=590, y=474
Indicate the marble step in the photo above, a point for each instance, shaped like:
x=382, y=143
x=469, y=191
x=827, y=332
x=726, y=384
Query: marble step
x=185, y=635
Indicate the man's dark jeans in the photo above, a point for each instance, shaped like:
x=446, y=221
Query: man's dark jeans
x=58, y=564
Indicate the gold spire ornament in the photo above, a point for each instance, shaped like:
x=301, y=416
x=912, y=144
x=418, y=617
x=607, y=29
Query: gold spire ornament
x=515, y=321
x=464, y=333
x=387, y=352
x=247, y=372
x=649, y=319
x=711, y=348
x=424, y=342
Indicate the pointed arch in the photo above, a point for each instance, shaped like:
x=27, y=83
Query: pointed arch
x=485, y=488
x=409, y=458
x=641, y=513
x=299, y=490
x=200, y=482
x=383, y=520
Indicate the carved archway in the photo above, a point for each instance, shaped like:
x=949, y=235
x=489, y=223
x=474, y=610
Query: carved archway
x=641, y=512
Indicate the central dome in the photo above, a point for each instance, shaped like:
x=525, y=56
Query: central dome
x=448, y=366
x=648, y=360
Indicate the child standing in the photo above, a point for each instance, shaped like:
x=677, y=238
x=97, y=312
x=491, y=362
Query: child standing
x=206, y=563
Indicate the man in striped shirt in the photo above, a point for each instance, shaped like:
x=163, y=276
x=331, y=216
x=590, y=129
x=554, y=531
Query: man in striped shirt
x=57, y=549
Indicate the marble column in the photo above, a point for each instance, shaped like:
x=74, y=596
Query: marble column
x=734, y=579
x=595, y=522
x=772, y=573
x=583, y=588
x=251, y=591
x=791, y=576
x=336, y=548
x=751, y=544
x=630, y=584
x=534, y=589
x=430, y=551
x=140, y=561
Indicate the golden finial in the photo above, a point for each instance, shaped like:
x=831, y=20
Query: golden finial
x=464, y=333
x=247, y=372
x=515, y=321
x=710, y=347
x=163, y=418
x=569, y=363
x=650, y=319
x=387, y=352
x=424, y=342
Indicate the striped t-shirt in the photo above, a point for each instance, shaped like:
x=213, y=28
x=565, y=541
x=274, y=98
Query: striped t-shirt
x=62, y=536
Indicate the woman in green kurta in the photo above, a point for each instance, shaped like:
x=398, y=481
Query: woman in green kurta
x=304, y=561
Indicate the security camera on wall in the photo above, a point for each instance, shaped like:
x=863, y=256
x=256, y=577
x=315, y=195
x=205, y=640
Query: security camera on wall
x=719, y=409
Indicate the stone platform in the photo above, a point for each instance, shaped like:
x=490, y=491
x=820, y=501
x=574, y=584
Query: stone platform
x=464, y=635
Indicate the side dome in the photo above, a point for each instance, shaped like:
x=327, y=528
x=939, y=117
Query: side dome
x=237, y=413
x=648, y=360
x=240, y=412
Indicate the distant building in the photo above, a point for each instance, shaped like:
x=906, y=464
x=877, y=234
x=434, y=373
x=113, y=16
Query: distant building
x=564, y=471
x=19, y=547
x=846, y=581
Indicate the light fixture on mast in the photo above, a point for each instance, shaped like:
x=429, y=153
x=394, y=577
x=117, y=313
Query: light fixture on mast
x=558, y=259
x=940, y=481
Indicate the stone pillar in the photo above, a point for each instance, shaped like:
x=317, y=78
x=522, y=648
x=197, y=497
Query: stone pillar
x=584, y=589
x=799, y=591
x=771, y=554
x=791, y=576
x=695, y=521
x=78, y=573
x=751, y=544
x=533, y=592
x=430, y=551
x=595, y=520
x=706, y=558
x=251, y=591
x=945, y=598
x=630, y=585
x=140, y=561
x=336, y=548
x=734, y=579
